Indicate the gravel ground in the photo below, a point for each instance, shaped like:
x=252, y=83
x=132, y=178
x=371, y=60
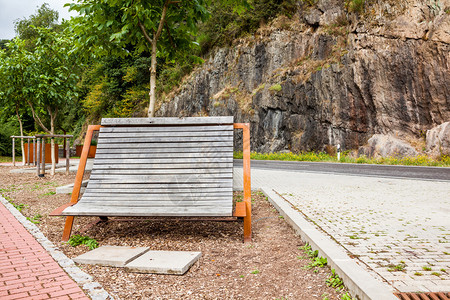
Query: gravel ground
x=270, y=267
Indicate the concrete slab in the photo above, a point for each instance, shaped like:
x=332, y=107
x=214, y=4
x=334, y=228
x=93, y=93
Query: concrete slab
x=67, y=189
x=111, y=256
x=164, y=262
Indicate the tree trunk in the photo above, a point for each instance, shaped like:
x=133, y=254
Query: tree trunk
x=151, y=108
x=21, y=134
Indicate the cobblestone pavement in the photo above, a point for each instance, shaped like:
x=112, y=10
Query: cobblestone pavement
x=399, y=228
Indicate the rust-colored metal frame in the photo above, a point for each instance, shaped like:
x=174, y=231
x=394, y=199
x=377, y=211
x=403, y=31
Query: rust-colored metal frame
x=78, y=180
x=82, y=165
x=247, y=180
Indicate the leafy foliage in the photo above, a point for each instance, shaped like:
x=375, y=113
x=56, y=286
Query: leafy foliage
x=334, y=280
x=83, y=240
x=26, y=28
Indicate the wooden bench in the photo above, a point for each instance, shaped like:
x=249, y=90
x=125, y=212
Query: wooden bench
x=167, y=167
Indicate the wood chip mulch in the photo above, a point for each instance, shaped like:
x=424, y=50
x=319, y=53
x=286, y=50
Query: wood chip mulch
x=270, y=267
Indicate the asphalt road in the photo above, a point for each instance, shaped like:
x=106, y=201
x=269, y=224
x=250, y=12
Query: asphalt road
x=409, y=172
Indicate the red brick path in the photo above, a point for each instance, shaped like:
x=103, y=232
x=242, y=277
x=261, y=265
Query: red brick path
x=27, y=271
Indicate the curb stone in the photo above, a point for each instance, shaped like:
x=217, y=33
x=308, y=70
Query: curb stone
x=358, y=281
x=86, y=281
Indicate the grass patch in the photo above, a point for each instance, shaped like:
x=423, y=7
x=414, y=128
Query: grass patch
x=4, y=159
x=420, y=160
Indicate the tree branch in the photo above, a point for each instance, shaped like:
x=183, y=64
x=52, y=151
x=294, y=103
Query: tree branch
x=36, y=117
x=170, y=37
x=144, y=32
x=160, y=27
x=163, y=19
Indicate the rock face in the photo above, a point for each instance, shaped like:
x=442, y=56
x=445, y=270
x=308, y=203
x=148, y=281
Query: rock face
x=438, y=140
x=328, y=76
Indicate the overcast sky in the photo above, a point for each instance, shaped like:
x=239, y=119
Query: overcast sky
x=11, y=10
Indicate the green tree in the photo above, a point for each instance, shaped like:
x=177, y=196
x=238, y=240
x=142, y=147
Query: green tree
x=14, y=65
x=164, y=28
x=45, y=17
x=53, y=73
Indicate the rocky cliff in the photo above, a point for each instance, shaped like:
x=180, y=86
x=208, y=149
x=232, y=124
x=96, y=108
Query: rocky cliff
x=330, y=76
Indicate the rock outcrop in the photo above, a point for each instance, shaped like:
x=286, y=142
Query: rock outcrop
x=438, y=140
x=380, y=145
x=328, y=77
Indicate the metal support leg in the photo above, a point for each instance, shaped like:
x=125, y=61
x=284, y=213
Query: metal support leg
x=38, y=157
x=43, y=159
x=14, y=152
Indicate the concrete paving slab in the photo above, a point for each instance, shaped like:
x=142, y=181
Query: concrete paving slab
x=67, y=189
x=164, y=262
x=111, y=256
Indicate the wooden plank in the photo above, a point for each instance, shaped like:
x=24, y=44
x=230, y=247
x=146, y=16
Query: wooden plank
x=228, y=150
x=137, y=186
x=141, y=129
x=167, y=121
x=118, y=165
x=160, y=178
x=148, y=205
x=182, y=160
x=165, y=139
x=131, y=201
x=170, y=190
x=163, y=155
x=169, y=197
x=89, y=210
x=180, y=191
x=126, y=172
x=115, y=135
x=197, y=144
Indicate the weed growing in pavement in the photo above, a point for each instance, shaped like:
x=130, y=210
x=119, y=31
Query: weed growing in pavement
x=436, y=274
x=256, y=271
x=425, y=268
x=399, y=267
x=83, y=240
x=418, y=274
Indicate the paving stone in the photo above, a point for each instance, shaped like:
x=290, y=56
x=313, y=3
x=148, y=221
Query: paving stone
x=164, y=262
x=112, y=256
x=395, y=219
